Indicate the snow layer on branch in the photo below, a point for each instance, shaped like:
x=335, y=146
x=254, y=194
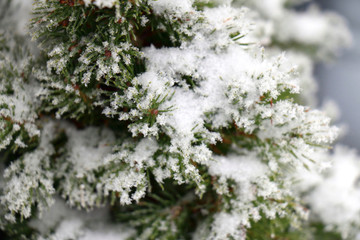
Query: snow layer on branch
x=86, y=151
x=177, y=7
x=61, y=223
x=101, y=3
x=174, y=7
x=227, y=225
x=244, y=170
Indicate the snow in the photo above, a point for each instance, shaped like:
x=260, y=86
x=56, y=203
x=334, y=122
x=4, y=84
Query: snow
x=178, y=7
x=87, y=148
x=61, y=223
x=239, y=168
x=227, y=225
x=101, y=3
x=220, y=77
x=335, y=199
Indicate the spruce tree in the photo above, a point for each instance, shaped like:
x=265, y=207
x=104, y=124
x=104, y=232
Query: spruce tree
x=171, y=119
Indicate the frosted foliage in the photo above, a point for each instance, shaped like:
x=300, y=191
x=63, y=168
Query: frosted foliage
x=224, y=83
x=99, y=57
x=251, y=181
x=304, y=66
x=307, y=82
x=334, y=195
x=29, y=180
x=90, y=154
x=138, y=158
x=231, y=83
x=305, y=179
x=17, y=97
x=19, y=110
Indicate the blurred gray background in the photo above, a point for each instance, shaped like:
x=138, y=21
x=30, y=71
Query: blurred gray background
x=340, y=81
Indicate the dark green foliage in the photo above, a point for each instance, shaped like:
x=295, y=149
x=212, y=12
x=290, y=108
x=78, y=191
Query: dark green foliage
x=166, y=208
x=58, y=25
x=319, y=232
x=18, y=231
x=277, y=229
